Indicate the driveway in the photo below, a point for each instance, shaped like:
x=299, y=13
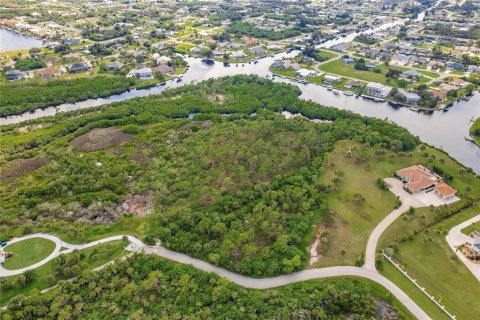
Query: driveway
x=408, y=200
x=456, y=238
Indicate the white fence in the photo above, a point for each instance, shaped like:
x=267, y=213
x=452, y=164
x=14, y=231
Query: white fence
x=442, y=307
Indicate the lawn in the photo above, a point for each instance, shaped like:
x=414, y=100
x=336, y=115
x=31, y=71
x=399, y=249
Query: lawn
x=28, y=252
x=475, y=127
x=431, y=265
x=354, y=222
x=389, y=271
x=473, y=227
x=351, y=221
x=106, y=251
x=348, y=70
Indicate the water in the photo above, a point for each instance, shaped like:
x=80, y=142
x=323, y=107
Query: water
x=11, y=40
x=445, y=130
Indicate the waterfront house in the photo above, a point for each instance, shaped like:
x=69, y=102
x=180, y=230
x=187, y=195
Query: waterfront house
x=353, y=84
x=238, y=54
x=142, y=73
x=445, y=88
x=163, y=69
x=258, y=51
x=377, y=90
x=332, y=79
x=304, y=73
x=417, y=178
x=410, y=97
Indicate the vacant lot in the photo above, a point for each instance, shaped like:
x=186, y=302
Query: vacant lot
x=428, y=259
x=28, y=252
x=100, y=139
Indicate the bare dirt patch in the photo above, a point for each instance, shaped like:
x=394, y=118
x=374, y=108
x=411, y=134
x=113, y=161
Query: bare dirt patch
x=217, y=98
x=140, y=205
x=98, y=139
x=30, y=128
x=17, y=168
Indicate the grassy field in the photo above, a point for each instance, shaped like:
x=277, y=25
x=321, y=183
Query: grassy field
x=354, y=222
x=348, y=70
x=473, y=227
x=107, y=252
x=412, y=291
x=28, y=252
x=350, y=221
x=475, y=127
x=432, y=266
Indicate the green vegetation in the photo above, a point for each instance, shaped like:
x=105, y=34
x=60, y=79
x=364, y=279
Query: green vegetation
x=29, y=64
x=246, y=29
x=475, y=131
x=61, y=268
x=349, y=70
x=428, y=259
x=28, y=252
x=473, y=227
x=168, y=290
x=25, y=96
x=246, y=202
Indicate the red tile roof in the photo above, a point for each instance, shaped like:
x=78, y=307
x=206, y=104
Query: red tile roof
x=445, y=190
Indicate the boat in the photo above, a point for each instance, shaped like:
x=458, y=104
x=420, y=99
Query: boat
x=179, y=79
x=329, y=88
x=208, y=61
x=347, y=93
x=255, y=61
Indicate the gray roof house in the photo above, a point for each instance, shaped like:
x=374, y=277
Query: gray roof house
x=13, y=75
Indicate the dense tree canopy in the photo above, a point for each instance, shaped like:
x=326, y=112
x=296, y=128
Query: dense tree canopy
x=148, y=287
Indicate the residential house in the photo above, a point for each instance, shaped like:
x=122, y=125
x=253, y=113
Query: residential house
x=417, y=178
x=251, y=42
x=238, y=54
x=353, y=84
x=13, y=75
x=444, y=191
x=342, y=46
x=440, y=96
x=377, y=90
x=49, y=72
x=72, y=56
x=163, y=69
x=195, y=50
x=370, y=65
x=78, y=67
x=304, y=73
x=233, y=45
x=258, y=51
x=142, y=74
x=412, y=74
x=400, y=59
x=460, y=83
x=445, y=88
x=116, y=65
x=384, y=55
x=455, y=66
x=349, y=60
x=50, y=61
x=410, y=97
x=473, y=69
x=332, y=79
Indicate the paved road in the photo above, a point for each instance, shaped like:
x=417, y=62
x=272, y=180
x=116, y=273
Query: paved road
x=304, y=275
x=247, y=282
x=396, y=186
x=456, y=238
x=135, y=244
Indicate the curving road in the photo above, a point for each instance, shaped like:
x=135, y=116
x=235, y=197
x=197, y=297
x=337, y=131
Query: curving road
x=59, y=244
x=244, y=281
x=456, y=238
x=367, y=271
x=396, y=187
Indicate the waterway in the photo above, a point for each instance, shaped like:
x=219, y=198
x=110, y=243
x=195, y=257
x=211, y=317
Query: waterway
x=446, y=130
x=11, y=40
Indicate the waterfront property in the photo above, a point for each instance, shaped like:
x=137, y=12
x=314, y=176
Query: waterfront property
x=417, y=178
x=377, y=90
